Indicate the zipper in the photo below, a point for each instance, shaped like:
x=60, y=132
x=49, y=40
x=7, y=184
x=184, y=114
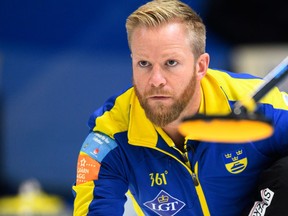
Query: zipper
x=195, y=179
x=187, y=162
x=188, y=166
x=187, y=148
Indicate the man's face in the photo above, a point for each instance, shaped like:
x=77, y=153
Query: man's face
x=164, y=74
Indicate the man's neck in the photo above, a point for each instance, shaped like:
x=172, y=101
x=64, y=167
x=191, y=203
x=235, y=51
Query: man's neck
x=172, y=128
x=173, y=133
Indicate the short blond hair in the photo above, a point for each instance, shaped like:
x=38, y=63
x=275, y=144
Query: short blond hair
x=157, y=12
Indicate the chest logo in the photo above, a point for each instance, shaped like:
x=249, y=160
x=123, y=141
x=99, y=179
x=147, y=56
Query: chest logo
x=164, y=204
x=235, y=161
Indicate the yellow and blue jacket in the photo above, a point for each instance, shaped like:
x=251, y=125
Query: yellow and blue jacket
x=124, y=152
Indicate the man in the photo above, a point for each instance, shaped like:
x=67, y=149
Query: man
x=134, y=144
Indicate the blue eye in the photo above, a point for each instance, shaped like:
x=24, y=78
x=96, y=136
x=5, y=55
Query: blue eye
x=171, y=63
x=144, y=63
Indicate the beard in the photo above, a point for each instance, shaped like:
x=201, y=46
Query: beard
x=161, y=114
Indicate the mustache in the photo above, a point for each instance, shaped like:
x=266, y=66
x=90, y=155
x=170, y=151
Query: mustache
x=157, y=91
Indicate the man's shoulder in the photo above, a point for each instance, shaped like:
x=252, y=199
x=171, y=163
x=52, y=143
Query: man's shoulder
x=225, y=74
x=231, y=80
x=234, y=85
x=114, y=113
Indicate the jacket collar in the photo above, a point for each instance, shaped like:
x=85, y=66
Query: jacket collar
x=142, y=132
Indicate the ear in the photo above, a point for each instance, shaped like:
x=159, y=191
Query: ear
x=202, y=64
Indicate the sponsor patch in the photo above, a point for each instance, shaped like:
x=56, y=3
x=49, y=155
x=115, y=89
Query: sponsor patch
x=98, y=145
x=236, y=161
x=164, y=204
x=87, y=169
x=260, y=207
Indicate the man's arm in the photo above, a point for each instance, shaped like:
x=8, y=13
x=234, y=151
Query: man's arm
x=101, y=184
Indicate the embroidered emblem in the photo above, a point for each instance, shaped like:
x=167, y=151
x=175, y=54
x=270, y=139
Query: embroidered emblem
x=164, y=204
x=235, y=162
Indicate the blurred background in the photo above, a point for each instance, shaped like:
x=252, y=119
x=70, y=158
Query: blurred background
x=60, y=60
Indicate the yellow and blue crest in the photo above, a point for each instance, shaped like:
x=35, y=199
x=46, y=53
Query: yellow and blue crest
x=235, y=161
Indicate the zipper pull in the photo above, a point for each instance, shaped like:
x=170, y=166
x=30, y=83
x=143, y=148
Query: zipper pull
x=195, y=180
x=185, y=157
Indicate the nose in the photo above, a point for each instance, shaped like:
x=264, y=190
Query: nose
x=157, y=77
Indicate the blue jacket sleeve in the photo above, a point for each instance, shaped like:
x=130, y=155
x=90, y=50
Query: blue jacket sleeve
x=101, y=180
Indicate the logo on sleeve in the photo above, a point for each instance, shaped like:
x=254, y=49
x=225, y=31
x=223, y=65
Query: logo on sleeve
x=87, y=169
x=165, y=204
x=235, y=162
x=98, y=145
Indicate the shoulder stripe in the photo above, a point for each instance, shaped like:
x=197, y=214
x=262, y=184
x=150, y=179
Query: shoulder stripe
x=98, y=145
